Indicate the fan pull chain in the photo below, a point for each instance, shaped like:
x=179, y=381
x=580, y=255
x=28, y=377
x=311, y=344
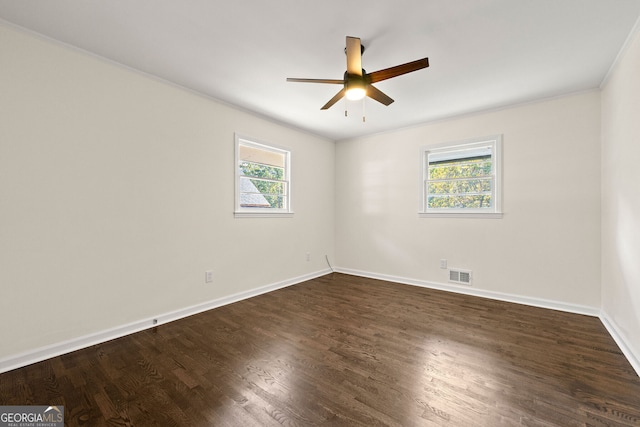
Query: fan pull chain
x=344, y=101
x=363, y=112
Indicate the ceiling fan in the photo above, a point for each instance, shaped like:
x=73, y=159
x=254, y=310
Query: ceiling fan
x=357, y=82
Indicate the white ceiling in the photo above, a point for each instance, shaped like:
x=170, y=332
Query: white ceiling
x=483, y=53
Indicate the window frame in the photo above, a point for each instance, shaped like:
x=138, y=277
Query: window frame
x=493, y=141
x=254, y=212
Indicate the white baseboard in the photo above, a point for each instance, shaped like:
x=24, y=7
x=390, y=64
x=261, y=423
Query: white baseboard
x=618, y=337
x=46, y=352
x=519, y=299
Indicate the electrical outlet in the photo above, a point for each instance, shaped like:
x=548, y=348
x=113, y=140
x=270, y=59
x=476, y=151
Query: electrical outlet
x=208, y=276
x=308, y=256
x=443, y=263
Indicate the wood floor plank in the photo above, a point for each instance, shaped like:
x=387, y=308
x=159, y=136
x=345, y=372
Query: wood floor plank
x=342, y=350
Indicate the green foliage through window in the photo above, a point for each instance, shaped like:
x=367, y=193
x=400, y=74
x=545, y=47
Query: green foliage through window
x=268, y=182
x=460, y=179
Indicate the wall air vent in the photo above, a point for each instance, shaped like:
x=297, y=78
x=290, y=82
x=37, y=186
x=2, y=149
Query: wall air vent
x=462, y=277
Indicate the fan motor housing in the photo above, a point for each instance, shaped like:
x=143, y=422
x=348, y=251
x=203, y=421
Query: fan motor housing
x=351, y=80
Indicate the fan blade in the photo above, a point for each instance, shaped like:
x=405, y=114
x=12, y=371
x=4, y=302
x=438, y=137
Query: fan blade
x=330, y=81
x=335, y=99
x=354, y=56
x=398, y=70
x=378, y=95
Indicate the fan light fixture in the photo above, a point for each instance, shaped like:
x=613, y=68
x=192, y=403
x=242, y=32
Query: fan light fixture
x=356, y=93
x=355, y=88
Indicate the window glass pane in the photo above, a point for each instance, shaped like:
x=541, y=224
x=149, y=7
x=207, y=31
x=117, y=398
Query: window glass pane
x=456, y=168
x=436, y=201
x=262, y=193
x=259, y=201
x=261, y=170
x=461, y=186
x=277, y=202
x=262, y=186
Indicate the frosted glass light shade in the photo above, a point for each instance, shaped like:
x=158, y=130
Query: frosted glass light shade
x=355, y=93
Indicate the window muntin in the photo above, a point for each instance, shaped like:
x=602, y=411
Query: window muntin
x=462, y=177
x=262, y=178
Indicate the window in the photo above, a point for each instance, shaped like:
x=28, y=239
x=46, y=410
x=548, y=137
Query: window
x=262, y=179
x=462, y=178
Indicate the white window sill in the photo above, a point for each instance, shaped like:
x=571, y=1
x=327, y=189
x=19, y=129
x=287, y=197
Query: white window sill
x=486, y=215
x=263, y=214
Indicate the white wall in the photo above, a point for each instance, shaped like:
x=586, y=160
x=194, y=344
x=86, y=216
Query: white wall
x=116, y=194
x=621, y=199
x=547, y=245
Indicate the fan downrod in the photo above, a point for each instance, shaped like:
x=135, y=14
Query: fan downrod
x=361, y=50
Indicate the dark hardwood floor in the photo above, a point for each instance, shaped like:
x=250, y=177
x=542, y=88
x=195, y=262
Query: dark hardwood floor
x=346, y=351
